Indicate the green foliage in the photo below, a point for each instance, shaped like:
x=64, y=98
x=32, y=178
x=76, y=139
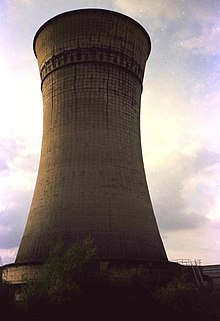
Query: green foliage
x=73, y=287
x=64, y=274
x=177, y=293
x=126, y=275
x=187, y=301
x=71, y=284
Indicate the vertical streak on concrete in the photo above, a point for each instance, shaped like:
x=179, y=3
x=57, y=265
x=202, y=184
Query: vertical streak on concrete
x=107, y=98
x=52, y=98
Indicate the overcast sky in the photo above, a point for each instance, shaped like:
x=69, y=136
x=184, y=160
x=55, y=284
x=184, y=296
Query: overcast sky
x=180, y=118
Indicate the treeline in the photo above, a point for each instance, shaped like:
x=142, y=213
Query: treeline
x=72, y=287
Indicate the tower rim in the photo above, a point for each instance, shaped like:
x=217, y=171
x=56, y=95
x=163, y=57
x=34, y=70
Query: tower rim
x=71, y=12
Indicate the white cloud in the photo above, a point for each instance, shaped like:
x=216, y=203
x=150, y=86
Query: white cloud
x=8, y=255
x=203, y=243
x=185, y=191
x=201, y=29
x=169, y=9
x=184, y=188
x=16, y=3
x=206, y=43
x=21, y=105
x=13, y=214
x=17, y=179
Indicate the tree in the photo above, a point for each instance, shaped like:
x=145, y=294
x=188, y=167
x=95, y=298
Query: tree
x=73, y=286
x=65, y=279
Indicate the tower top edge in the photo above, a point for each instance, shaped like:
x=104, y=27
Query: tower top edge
x=86, y=10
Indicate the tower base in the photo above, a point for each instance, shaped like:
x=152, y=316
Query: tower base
x=16, y=273
x=158, y=273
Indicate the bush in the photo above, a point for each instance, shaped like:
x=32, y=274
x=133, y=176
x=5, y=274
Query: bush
x=65, y=278
x=72, y=286
x=184, y=301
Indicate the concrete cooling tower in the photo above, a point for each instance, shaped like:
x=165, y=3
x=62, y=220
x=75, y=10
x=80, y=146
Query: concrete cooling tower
x=91, y=179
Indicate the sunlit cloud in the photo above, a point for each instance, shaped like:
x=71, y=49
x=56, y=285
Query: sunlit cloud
x=157, y=9
x=204, y=245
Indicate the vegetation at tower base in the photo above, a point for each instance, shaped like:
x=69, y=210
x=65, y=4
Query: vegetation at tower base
x=187, y=301
x=65, y=275
x=73, y=287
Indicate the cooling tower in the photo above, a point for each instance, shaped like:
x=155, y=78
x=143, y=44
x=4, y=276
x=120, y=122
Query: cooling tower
x=91, y=180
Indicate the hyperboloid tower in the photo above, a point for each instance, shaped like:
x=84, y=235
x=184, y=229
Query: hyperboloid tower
x=91, y=179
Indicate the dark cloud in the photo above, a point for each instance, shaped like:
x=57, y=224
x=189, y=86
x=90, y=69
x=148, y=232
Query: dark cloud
x=181, y=192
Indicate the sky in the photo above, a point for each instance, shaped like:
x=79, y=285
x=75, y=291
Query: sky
x=180, y=118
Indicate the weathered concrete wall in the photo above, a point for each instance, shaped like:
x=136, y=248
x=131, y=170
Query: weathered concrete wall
x=20, y=274
x=91, y=179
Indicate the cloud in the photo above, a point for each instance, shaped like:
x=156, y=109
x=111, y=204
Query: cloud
x=184, y=189
x=9, y=149
x=12, y=153
x=154, y=9
x=202, y=28
x=7, y=255
x=202, y=244
x=17, y=3
x=27, y=2
x=206, y=43
x=18, y=165
x=13, y=218
x=17, y=180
